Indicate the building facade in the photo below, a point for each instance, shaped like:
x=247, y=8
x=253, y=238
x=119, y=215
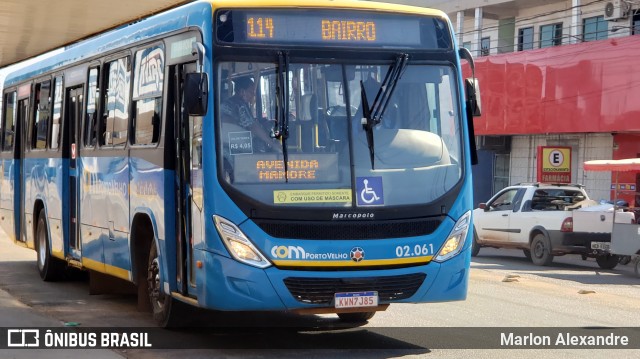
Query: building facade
x=559, y=82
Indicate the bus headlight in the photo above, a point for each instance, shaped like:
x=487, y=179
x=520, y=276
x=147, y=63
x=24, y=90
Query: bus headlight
x=238, y=244
x=454, y=243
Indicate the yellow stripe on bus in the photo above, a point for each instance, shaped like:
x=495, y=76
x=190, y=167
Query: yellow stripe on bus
x=57, y=254
x=106, y=268
x=365, y=263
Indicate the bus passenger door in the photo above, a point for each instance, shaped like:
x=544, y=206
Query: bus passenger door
x=18, y=159
x=73, y=116
x=7, y=162
x=189, y=180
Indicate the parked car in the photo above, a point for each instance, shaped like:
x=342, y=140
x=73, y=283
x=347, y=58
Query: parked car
x=547, y=220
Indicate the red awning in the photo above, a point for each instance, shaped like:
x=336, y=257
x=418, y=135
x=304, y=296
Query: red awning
x=625, y=165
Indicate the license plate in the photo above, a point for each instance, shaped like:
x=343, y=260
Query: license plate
x=600, y=245
x=356, y=299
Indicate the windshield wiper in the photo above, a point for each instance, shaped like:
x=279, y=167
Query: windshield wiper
x=372, y=116
x=280, y=128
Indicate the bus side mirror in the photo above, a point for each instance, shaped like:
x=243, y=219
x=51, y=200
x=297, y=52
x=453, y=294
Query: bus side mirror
x=472, y=90
x=196, y=93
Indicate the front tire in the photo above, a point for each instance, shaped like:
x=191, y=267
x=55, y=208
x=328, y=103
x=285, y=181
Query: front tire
x=475, y=247
x=359, y=317
x=167, y=312
x=50, y=269
x=607, y=261
x=541, y=250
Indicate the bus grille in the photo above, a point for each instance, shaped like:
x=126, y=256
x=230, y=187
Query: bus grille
x=322, y=290
x=349, y=230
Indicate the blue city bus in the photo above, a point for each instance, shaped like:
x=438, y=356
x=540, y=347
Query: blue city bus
x=249, y=156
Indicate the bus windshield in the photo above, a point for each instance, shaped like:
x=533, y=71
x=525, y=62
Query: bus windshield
x=416, y=145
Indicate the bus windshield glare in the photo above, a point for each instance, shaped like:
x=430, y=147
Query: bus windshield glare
x=416, y=144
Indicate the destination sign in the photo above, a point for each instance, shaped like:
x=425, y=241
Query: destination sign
x=269, y=168
x=344, y=28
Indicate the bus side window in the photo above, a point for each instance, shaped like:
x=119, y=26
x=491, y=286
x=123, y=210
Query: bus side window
x=115, y=106
x=148, y=82
x=90, y=119
x=56, y=118
x=40, y=118
x=6, y=137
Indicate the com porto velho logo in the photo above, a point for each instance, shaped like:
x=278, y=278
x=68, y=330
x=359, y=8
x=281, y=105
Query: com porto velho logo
x=288, y=252
x=297, y=252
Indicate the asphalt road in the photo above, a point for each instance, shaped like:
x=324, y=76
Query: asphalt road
x=505, y=290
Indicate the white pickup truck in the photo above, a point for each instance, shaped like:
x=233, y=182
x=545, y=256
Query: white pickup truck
x=547, y=220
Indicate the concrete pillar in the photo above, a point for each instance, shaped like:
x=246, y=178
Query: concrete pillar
x=460, y=28
x=477, y=35
x=576, y=22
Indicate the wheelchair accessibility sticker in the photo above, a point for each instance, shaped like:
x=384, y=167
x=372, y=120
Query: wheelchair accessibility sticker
x=369, y=191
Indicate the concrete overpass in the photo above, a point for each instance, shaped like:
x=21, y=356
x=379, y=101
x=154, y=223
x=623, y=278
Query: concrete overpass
x=32, y=27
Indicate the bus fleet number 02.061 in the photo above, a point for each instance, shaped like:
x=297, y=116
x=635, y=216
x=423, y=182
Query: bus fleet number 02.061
x=417, y=250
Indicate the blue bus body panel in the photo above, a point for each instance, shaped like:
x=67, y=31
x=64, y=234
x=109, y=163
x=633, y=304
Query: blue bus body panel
x=7, y=193
x=152, y=193
x=104, y=210
x=43, y=181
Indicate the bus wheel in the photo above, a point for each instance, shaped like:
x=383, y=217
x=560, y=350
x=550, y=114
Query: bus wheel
x=358, y=317
x=50, y=269
x=165, y=308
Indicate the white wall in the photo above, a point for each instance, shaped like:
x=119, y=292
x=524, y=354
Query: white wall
x=585, y=147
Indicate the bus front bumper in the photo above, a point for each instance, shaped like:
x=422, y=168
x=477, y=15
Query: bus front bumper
x=225, y=284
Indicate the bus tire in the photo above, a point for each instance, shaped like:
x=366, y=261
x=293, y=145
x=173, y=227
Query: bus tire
x=358, y=317
x=166, y=310
x=541, y=250
x=50, y=269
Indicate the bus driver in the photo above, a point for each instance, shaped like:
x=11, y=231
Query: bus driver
x=238, y=109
